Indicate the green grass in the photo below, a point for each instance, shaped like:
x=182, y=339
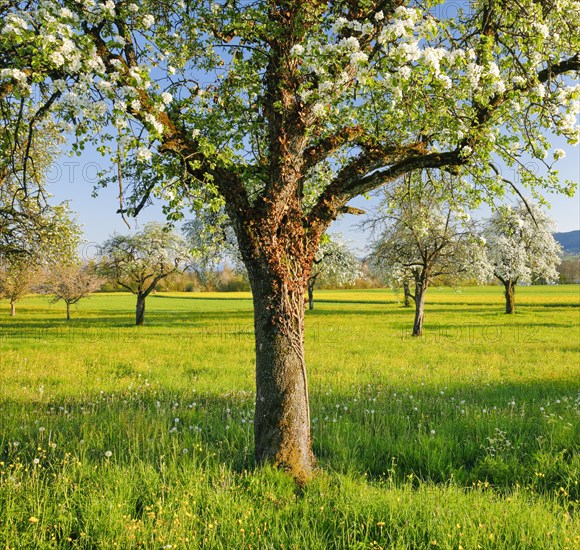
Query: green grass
x=468, y=437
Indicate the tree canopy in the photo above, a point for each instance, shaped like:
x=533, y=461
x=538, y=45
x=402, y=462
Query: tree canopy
x=70, y=283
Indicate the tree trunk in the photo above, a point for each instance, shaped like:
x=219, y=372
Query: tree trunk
x=406, y=294
x=311, y=294
x=419, y=308
x=67, y=311
x=12, y=309
x=510, y=298
x=140, y=310
x=282, y=418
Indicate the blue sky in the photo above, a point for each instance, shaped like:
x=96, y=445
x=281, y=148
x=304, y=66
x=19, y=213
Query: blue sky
x=73, y=178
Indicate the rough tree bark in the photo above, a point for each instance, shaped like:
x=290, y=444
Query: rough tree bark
x=420, y=288
x=68, y=311
x=140, y=310
x=282, y=416
x=510, y=295
x=12, y=309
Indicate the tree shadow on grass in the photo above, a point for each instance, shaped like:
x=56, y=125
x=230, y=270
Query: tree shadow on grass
x=505, y=435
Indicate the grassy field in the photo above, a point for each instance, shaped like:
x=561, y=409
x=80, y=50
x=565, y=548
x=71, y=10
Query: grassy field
x=113, y=436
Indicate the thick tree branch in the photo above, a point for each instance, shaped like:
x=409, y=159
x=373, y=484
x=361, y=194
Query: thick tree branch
x=328, y=145
x=361, y=176
x=564, y=66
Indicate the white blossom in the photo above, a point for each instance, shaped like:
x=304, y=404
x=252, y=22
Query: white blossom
x=319, y=109
x=57, y=59
x=148, y=21
x=297, y=50
x=119, y=40
x=559, y=154
x=351, y=43
x=358, y=57
x=144, y=154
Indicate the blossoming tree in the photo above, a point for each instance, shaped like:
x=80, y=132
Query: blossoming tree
x=70, y=283
x=25, y=253
x=521, y=248
x=334, y=263
x=283, y=111
x=427, y=239
x=138, y=262
x=211, y=242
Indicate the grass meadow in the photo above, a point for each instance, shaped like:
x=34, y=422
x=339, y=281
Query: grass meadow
x=115, y=436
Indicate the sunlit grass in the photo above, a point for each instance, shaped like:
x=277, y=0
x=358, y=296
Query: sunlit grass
x=118, y=436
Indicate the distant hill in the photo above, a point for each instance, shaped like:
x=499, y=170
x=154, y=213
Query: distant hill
x=570, y=241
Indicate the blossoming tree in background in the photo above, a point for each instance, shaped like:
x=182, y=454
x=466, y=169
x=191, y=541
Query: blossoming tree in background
x=70, y=283
x=16, y=281
x=334, y=264
x=427, y=239
x=211, y=241
x=283, y=111
x=138, y=262
x=51, y=241
x=521, y=248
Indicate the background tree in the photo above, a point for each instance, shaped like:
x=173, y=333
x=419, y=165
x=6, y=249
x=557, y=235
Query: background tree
x=212, y=242
x=17, y=278
x=283, y=111
x=138, y=262
x=26, y=216
x=426, y=240
x=70, y=283
x=333, y=264
x=52, y=238
x=569, y=270
x=521, y=248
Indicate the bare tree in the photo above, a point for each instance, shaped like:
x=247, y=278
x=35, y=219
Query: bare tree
x=70, y=284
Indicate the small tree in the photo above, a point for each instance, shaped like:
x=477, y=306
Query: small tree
x=16, y=280
x=25, y=251
x=334, y=264
x=70, y=284
x=426, y=240
x=138, y=262
x=521, y=248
